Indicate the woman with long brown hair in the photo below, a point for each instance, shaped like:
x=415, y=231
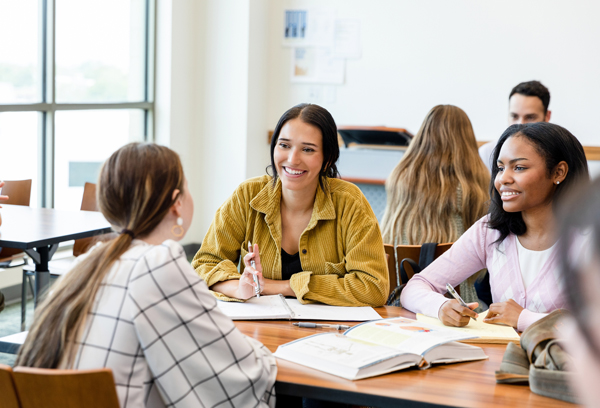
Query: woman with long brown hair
x=315, y=236
x=135, y=305
x=439, y=187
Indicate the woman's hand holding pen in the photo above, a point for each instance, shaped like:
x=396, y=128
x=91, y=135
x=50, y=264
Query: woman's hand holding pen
x=246, y=284
x=452, y=313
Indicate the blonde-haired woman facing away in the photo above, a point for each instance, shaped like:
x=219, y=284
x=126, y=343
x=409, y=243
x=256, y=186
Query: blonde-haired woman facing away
x=135, y=305
x=440, y=186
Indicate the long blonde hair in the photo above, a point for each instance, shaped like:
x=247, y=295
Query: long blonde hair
x=135, y=192
x=422, y=190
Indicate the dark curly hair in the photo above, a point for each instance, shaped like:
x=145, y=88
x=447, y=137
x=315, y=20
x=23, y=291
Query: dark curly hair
x=555, y=144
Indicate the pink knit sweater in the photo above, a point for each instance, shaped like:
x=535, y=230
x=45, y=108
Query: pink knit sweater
x=474, y=251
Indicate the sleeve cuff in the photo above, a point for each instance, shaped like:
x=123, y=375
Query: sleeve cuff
x=527, y=317
x=225, y=298
x=299, y=284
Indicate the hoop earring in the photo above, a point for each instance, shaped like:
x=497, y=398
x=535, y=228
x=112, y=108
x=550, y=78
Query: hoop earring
x=177, y=229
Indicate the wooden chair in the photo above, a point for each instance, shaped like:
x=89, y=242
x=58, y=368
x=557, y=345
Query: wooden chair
x=8, y=392
x=88, y=203
x=19, y=193
x=391, y=264
x=413, y=252
x=41, y=388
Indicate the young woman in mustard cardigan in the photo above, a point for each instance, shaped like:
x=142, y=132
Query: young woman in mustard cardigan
x=315, y=236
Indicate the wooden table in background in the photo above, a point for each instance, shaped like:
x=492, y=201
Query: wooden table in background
x=470, y=384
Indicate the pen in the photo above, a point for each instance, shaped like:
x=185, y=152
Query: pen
x=322, y=326
x=253, y=264
x=457, y=297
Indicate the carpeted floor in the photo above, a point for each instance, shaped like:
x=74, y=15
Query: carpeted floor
x=10, y=323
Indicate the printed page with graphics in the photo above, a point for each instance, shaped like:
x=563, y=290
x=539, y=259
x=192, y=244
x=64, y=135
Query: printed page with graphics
x=378, y=347
x=404, y=334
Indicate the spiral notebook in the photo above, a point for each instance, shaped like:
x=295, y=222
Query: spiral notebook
x=278, y=307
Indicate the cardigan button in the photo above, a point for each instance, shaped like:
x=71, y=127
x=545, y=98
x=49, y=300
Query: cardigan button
x=304, y=251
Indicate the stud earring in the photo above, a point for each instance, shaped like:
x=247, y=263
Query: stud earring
x=558, y=182
x=177, y=229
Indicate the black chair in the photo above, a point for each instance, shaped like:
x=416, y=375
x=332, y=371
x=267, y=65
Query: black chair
x=374, y=135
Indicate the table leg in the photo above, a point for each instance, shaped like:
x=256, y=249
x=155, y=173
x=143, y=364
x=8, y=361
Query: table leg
x=41, y=256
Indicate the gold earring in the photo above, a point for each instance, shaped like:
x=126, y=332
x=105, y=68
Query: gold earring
x=177, y=229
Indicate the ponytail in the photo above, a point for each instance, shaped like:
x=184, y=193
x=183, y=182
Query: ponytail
x=135, y=192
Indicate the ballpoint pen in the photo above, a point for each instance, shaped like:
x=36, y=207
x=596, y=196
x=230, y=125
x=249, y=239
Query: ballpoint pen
x=322, y=326
x=457, y=297
x=253, y=264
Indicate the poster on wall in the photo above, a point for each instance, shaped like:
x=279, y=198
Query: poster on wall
x=309, y=27
x=316, y=65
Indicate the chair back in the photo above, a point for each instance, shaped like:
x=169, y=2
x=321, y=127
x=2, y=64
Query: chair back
x=414, y=251
x=88, y=203
x=8, y=392
x=391, y=264
x=42, y=387
x=374, y=135
x=18, y=192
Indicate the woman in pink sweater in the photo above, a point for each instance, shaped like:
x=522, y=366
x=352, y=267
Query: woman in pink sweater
x=536, y=164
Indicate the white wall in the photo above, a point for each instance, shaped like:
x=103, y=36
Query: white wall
x=223, y=76
x=417, y=54
x=210, y=102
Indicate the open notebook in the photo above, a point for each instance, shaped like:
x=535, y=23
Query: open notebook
x=483, y=332
x=379, y=347
x=278, y=307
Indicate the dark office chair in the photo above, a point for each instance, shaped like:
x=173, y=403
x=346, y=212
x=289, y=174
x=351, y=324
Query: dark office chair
x=374, y=135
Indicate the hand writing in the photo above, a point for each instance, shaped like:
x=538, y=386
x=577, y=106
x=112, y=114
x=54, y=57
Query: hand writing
x=452, y=313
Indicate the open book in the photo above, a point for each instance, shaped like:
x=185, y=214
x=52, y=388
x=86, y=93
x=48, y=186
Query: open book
x=278, y=307
x=379, y=347
x=483, y=332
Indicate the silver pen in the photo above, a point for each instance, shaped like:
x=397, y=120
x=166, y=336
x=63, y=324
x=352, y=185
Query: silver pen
x=253, y=264
x=322, y=326
x=457, y=297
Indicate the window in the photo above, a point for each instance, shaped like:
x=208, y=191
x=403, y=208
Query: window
x=76, y=83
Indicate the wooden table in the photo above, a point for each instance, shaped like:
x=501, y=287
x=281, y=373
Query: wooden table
x=38, y=231
x=469, y=384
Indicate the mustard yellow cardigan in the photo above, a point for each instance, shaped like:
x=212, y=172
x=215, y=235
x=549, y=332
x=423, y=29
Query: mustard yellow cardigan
x=341, y=249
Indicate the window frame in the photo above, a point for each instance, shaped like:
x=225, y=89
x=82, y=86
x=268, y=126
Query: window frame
x=48, y=107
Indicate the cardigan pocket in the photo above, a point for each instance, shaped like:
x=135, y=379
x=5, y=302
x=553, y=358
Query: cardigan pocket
x=335, y=268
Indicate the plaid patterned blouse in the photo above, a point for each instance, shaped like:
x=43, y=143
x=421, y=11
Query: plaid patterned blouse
x=156, y=325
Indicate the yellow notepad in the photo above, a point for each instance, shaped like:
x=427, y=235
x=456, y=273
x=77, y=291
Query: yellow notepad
x=485, y=332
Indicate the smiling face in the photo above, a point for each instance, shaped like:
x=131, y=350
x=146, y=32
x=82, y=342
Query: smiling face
x=522, y=180
x=298, y=156
x=526, y=109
